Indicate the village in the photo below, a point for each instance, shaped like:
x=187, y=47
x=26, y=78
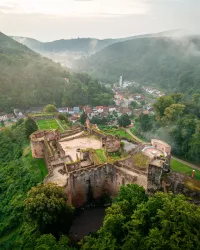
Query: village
x=124, y=102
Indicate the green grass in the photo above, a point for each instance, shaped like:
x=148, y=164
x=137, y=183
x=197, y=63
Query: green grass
x=120, y=132
x=179, y=167
x=43, y=168
x=64, y=124
x=101, y=155
x=48, y=124
x=134, y=133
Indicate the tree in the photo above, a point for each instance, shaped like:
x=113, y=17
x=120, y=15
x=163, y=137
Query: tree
x=162, y=221
x=2, y=123
x=63, y=118
x=83, y=118
x=48, y=242
x=174, y=112
x=195, y=144
x=30, y=126
x=145, y=122
x=133, y=105
x=124, y=120
x=50, y=109
x=46, y=206
x=161, y=104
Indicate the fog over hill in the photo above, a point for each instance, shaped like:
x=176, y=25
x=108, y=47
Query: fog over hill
x=28, y=79
x=172, y=63
x=167, y=59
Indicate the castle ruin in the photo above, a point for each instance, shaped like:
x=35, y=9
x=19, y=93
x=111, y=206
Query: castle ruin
x=73, y=162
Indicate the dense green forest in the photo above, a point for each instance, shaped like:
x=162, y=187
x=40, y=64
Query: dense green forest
x=176, y=121
x=136, y=221
x=19, y=172
x=28, y=79
x=172, y=64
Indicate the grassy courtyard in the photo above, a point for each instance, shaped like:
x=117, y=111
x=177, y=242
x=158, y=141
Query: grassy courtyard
x=48, y=124
x=121, y=132
x=179, y=167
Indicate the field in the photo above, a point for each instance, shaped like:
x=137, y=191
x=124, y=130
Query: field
x=120, y=132
x=48, y=124
x=179, y=167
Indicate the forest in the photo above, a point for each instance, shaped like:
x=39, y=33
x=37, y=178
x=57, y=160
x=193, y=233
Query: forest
x=170, y=64
x=30, y=80
x=176, y=121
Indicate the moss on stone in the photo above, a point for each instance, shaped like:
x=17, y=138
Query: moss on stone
x=140, y=160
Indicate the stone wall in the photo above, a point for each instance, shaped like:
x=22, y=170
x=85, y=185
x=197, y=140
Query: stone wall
x=37, y=148
x=98, y=180
x=154, y=178
x=44, y=117
x=71, y=132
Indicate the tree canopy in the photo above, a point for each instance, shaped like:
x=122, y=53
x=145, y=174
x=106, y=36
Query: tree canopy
x=124, y=120
x=50, y=108
x=46, y=205
x=135, y=221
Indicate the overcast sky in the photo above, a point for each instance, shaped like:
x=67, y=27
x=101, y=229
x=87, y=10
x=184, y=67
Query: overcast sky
x=54, y=19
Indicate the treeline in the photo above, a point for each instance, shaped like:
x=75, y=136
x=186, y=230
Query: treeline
x=172, y=64
x=30, y=80
x=177, y=121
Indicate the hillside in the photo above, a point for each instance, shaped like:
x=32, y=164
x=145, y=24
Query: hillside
x=81, y=45
x=28, y=79
x=173, y=64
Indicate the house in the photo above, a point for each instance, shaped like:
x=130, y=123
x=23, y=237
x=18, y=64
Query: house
x=111, y=109
x=124, y=111
x=105, y=109
x=74, y=118
x=89, y=112
x=6, y=117
x=99, y=109
x=70, y=111
x=76, y=110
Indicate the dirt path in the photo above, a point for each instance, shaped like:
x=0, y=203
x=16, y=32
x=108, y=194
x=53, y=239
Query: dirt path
x=173, y=157
x=134, y=137
x=60, y=124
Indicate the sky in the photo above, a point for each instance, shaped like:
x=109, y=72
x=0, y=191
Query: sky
x=48, y=20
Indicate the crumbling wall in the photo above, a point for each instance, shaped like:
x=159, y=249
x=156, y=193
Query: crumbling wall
x=71, y=132
x=37, y=148
x=154, y=178
x=98, y=180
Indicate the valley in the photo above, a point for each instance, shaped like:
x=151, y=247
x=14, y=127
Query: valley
x=90, y=156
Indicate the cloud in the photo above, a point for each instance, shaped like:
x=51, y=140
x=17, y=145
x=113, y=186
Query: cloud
x=76, y=7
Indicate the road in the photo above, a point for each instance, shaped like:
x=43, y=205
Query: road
x=173, y=157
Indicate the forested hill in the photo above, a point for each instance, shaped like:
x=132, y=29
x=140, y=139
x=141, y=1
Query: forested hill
x=173, y=64
x=28, y=79
x=84, y=45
